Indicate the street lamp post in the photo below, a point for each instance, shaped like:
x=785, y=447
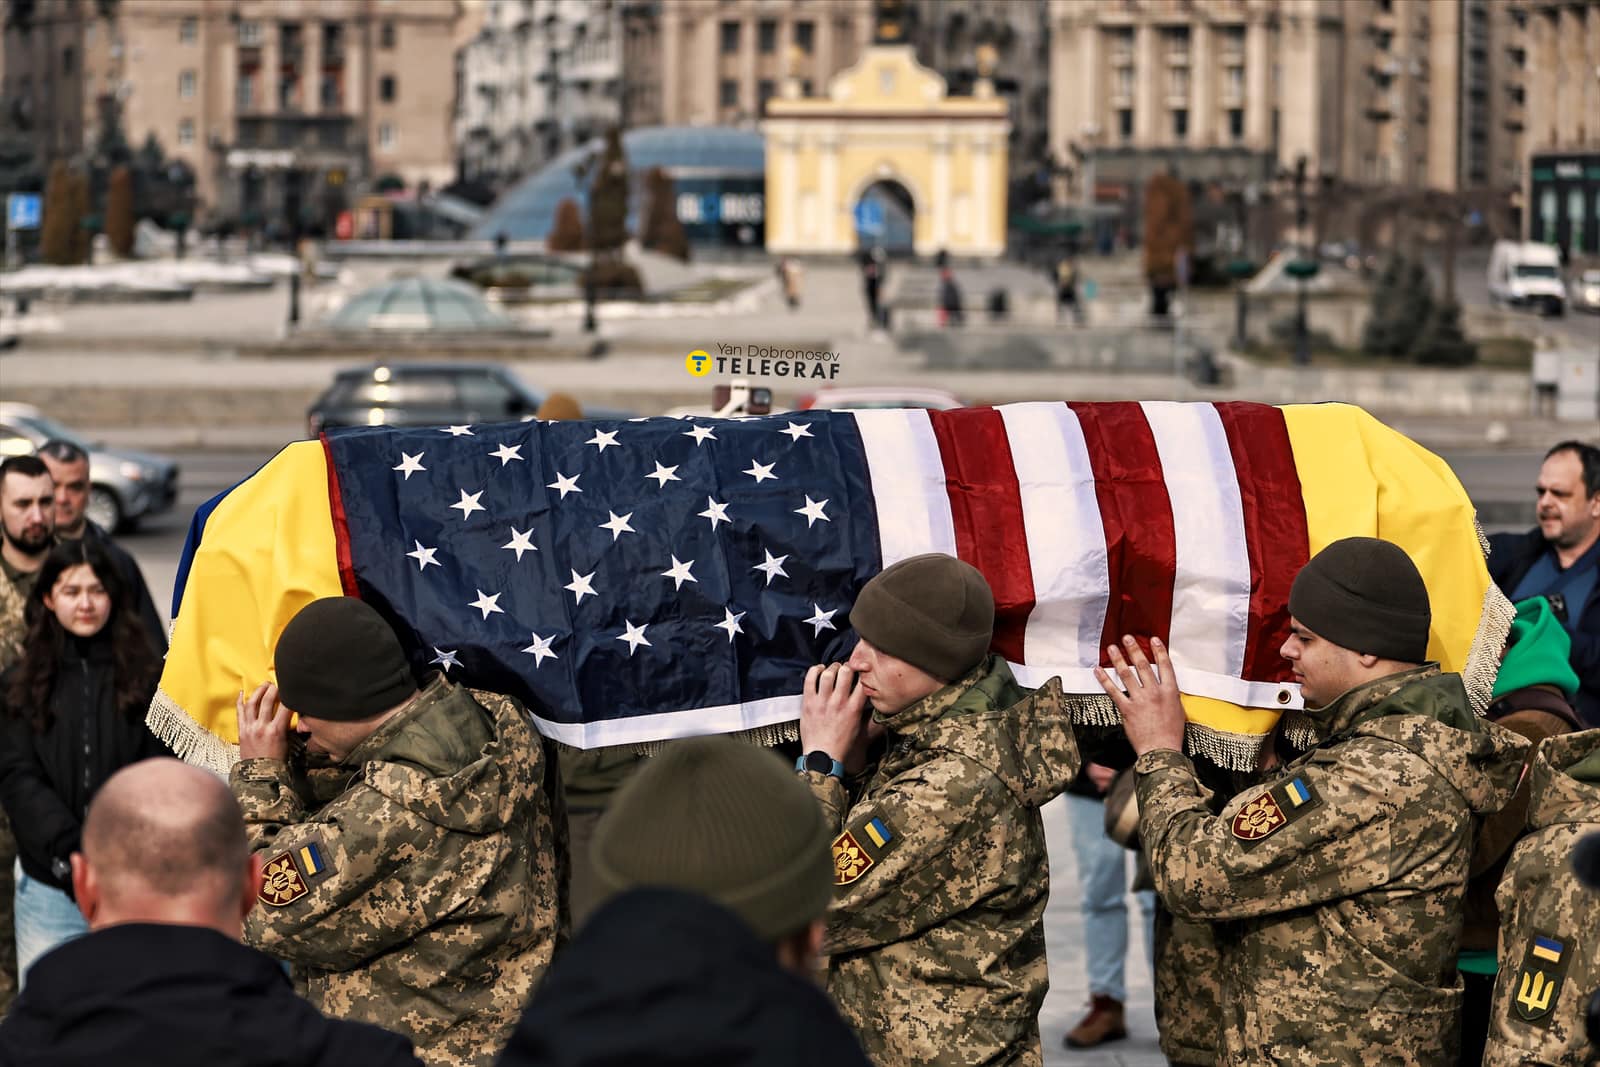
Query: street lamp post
x=1302, y=336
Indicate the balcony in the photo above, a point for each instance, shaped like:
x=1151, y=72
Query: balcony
x=335, y=132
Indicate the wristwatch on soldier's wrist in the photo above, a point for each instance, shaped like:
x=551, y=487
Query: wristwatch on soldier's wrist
x=820, y=762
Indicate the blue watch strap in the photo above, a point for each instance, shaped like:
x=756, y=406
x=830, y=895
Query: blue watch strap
x=805, y=763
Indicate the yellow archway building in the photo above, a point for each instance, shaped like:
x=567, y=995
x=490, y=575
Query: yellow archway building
x=888, y=119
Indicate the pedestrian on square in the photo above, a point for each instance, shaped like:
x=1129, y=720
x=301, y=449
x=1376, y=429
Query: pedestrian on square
x=1339, y=879
x=164, y=879
x=935, y=939
x=69, y=470
x=716, y=872
x=1550, y=922
x=27, y=530
x=72, y=714
x=1560, y=559
x=1103, y=881
x=1531, y=696
x=425, y=895
x=951, y=313
x=1067, y=289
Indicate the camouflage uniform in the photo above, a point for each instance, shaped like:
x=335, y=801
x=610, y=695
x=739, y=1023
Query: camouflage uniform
x=14, y=590
x=1550, y=932
x=424, y=897
x=936, y=933
x=1336, y=885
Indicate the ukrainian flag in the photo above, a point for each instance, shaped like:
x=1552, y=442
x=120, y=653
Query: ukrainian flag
x=878, y=832
x=1298, y=793
x=1548, y=948
x=311, y=860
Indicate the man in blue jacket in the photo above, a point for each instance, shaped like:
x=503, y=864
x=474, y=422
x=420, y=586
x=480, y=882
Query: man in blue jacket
x=1560, y=559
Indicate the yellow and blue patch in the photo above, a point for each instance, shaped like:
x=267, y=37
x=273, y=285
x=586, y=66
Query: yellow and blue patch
x=1548, y=948
x=879, y=832
x=1297, y=793
x=860, y=848
x=1536, y=989
x=311, y=860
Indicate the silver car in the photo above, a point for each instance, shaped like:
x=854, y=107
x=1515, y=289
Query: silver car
x=1584, y=290
x=124, y=486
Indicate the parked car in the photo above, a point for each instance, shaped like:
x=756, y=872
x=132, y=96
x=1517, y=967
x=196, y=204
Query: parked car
x=1527, y=274
x=428, y=394
x=1585, y=290
x=843, y=398
x=124, y=486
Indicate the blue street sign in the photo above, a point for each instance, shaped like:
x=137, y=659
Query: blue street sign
x=23, y=211
x=869, y=217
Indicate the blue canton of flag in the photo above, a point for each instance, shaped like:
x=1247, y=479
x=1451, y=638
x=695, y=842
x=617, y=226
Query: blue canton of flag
x=605, y=572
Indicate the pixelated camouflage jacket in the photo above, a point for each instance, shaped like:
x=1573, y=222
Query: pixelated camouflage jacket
x=424, y=897
x=1337, y=883
x=936, y=934
x=1550, y=924
x=13, y=601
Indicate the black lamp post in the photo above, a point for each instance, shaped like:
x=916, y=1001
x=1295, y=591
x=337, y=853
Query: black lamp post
x=1303, y=268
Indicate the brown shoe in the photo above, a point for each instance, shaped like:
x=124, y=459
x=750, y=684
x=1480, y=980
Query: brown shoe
x=1103, y=1023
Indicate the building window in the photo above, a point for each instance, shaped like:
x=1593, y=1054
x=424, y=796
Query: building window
x=1180, y=124
x=1178, y=83
x=728, y=93
x=1122, y=83
x=1236, y=123
x=186, y=84
x=767, y=36
x=386, y=35
x=729, y=42
x=765, y=91
x=245, y=94
x=387, y=137
x=188, y=30
x=387, y=90
x=68, y=60
x=249, y=34
x=186, y=131
x=1235, y=83
x=1125, y=123
x=804, y=36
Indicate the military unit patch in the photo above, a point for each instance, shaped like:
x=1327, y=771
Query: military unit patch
x=858, y=850
x=1537, y=985
x=1273, y=810
x=287, y=877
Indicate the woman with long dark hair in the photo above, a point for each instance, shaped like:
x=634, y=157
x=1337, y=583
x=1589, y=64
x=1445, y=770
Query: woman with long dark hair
x=71, y=714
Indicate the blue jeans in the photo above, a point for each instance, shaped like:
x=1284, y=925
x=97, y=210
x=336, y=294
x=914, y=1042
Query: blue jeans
x=46, y=918
x=1103, y=878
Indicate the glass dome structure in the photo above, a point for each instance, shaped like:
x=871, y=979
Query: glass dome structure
x=719, y=174
x=419, y=305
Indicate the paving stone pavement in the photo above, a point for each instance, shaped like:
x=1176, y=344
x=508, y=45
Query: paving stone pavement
x=1069, y=986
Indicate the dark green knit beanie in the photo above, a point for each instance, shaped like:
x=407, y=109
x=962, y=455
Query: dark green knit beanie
x=339, y=660
x=726, y=819
x=1538, y=653
x=933, y=611
x=1366, y=595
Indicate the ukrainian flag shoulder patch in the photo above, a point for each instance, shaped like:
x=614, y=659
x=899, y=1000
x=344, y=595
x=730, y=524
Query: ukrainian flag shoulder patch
x=1536, y=987
x=860, y=848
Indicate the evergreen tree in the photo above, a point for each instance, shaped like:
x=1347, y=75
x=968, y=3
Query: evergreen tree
x=1402, y=304
x=662, y=230
x=84, y=225
x=608, y=199
x=55, y=242
x=1441, y=341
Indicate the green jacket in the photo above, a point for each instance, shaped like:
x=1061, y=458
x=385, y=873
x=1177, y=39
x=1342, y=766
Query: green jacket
x=1550, y=925
x=1337, y=883
x=424, y=897
x=936, y=934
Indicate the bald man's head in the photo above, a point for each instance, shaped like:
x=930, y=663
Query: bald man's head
x=163, y=834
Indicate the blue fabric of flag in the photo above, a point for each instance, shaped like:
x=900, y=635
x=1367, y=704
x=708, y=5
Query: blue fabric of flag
x=602, y=571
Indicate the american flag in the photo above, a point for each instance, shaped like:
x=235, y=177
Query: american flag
x=653, y=578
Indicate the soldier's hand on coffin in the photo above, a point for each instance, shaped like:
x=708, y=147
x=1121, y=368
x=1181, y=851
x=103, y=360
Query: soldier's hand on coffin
x=263, y=724
x=833, y=715
x=1147, y=698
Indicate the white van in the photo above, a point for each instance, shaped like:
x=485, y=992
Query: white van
x=1527, y=274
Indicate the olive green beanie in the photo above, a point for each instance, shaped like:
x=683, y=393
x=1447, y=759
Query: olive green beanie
x=339, y=660
x=1366, y=595
x=1538, y=653
x=726, y=819
x=933, y=611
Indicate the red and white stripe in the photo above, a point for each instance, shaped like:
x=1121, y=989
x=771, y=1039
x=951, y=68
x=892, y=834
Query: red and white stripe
x=1179, y=521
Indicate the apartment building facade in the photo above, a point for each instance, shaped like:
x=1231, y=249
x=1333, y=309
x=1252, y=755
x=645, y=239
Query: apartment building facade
x=281, y=108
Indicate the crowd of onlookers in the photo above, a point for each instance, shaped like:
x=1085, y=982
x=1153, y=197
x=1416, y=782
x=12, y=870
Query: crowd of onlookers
x=391, y=872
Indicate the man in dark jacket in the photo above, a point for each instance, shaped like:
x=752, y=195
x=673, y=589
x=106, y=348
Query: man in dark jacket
x=717, y=865
x=165, y=881
x=1560, y=559
x=1337, y=882
x=69, y=470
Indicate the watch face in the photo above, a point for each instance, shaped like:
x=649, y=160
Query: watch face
x=820, y=762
